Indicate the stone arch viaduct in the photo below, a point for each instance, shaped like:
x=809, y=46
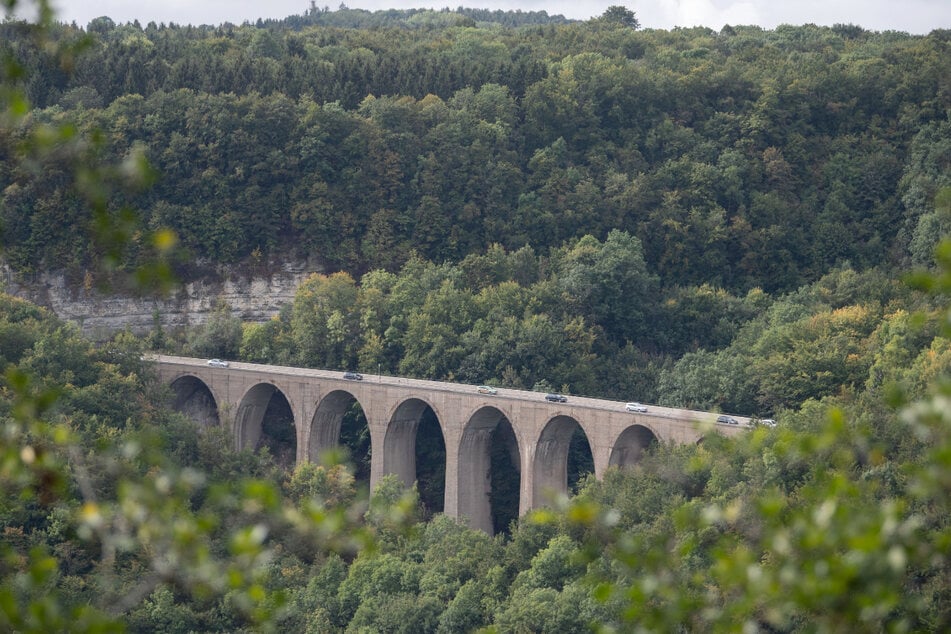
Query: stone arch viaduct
x=393, y=406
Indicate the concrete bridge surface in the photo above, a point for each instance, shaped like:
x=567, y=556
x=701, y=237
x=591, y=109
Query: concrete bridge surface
x=237, y=396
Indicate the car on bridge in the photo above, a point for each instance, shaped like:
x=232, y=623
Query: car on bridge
x=486, y=389
x=728, y=420
x=556, y=398
x=353, y=376
x=217, y=363
x=635, y=407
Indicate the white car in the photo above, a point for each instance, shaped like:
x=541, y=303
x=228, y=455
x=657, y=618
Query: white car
x=217, y=363
x=635, y=407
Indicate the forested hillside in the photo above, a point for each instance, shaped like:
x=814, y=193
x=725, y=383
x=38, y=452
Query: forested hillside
x=722, y=220
x=742, y=158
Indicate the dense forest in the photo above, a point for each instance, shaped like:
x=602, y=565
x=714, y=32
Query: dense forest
x=742, y=158
x=746, y=220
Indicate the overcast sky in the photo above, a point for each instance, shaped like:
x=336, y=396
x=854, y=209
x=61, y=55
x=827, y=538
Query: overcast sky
x=912, y=16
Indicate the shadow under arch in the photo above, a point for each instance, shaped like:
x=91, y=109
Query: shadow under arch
x=265, y=417
x=489, y=471
x=414, y=432
x=334, y=410
x=556, y=467
x=192, y=397
x=631, y=445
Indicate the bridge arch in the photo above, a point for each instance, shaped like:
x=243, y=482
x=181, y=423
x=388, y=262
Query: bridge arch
x=631, y=445
x=487, y=428
x=550, y=464
x=399, y=443
x=415, y=429
x=195, y=399
x=327, y=421
x=250, y=418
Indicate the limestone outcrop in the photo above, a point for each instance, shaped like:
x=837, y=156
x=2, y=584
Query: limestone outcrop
x=252, y=296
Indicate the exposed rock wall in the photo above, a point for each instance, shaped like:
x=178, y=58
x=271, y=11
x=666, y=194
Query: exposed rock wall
x=252, y=297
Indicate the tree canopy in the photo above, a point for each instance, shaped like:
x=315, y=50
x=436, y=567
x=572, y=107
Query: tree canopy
x=741, y=159
x=719, y=220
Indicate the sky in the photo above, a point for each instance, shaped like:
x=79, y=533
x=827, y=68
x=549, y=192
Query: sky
x=911, y=16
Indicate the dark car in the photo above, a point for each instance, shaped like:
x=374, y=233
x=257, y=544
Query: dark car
x=353, y=376
x=729, y=420
x=556, y=398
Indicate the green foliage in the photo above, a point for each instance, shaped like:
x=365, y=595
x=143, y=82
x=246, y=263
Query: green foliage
x=331, y=485
x=810, y=526
x=817, y=342
x=465, y=612
x=545, y=610
x=687, y=151
x=323, y=321
x=318, y=601
x=620, y=15
x=122, y=514
x=401, y=613
x=609, y=283
x=219, y=337
x=453, y=556
x=552, y=566
x=759, y=159
x=819, y=521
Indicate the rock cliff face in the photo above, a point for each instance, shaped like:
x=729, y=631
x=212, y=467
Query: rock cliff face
x=252, y=297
